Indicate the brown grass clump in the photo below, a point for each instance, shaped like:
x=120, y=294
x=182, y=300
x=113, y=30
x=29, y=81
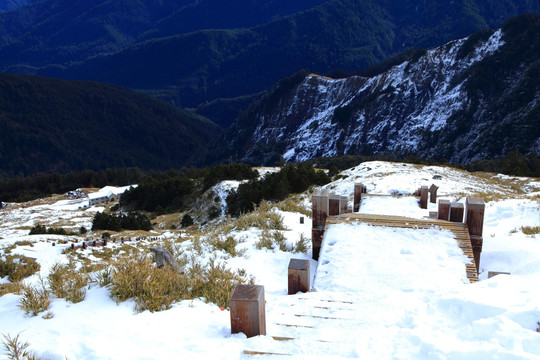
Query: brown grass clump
x=261, y=217
x=215, y=283
x=18, y=267
x=152, y=288
x=8, y=288
x=530, y=230
x=156, y=289
x=227, y=244
x=271, y=239
x=292, y=204
x=15, y=349
x=301, y=245
x=66, y=282
x=35, y=299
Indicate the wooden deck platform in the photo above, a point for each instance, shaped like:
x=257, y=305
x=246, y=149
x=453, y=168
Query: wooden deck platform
x=459, y=230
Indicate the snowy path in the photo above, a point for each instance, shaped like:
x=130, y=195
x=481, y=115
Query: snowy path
x=373, y=284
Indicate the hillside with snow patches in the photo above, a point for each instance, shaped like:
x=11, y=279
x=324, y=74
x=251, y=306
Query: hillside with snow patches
x=470, y=99
x=388, y=293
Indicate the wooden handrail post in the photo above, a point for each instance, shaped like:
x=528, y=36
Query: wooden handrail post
x=248, y=310
x=319, y=209
x=474, y=218
x=456, y=212
x=298, y=276
x=444, y=210
x=423, y=197
x=359, y=189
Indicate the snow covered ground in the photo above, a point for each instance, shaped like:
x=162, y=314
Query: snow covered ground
x=379, y=293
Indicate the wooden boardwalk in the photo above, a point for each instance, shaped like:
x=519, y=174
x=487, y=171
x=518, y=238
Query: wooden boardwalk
x=316, y=314
x=459, y=230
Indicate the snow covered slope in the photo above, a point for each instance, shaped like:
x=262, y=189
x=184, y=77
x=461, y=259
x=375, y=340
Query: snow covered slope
x=470, y=99
x=379, y=293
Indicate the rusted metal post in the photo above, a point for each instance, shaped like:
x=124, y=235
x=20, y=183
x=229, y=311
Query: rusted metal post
x=474, y=218
x=423, y=197
x=433, y=193
x=298, y=276
x=444, y=210
x=319, y=209
x=359, y=189
x=456, y=212
x=248, y=310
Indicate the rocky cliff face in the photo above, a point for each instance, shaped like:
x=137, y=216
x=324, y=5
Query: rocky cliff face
x=470, y=99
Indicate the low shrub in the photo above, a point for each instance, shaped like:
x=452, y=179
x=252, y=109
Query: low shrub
x=18, y=267
x=66, y=282
x=156, y=289
x=271, y=240
x=35, y=299
x=261, y=217
x=227, y=244
x=530, y=230
x=152, y=288
x=301, y=245
x=15, y=349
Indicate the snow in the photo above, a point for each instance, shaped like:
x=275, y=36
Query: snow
x=379, y=293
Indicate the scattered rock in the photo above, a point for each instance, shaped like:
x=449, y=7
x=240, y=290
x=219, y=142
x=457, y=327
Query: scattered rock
x=437, y=177
x=164, y=257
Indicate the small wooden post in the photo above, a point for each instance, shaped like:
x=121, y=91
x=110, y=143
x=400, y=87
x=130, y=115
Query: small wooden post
x=319, y=208
x=433, y=215
x=474, y=218
x=358, y=191
x=301, y=219
x=248, y=310
x=298, y=274
x=343, y=202
x=84, y=245
x=423, y=197
x=433, y=193
x=333, y=205
x=444, y=209
x=456, y=212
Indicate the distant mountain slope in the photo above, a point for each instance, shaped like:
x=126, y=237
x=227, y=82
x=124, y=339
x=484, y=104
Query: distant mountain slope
x=192, y=52
x=7, y=5
x=470, y=99
x=48, y=124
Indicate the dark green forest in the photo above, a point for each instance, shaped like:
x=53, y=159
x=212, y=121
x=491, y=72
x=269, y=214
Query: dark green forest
x=49, y=125
x=195, y=53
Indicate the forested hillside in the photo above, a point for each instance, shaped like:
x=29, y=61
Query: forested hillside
x=57, y=125
x=193, y=52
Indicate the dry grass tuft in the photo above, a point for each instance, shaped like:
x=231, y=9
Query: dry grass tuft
x=530, y=230
x=215, y=283
x=292, y=204
x=227, y=244
x=18, y=267
x=271, y=240
x=301, y=245
x=35, y=299
x=156, y=289
x=152, y=288
x=66, y=282
x=11, y=288
x=15, y=349
x=261, y=217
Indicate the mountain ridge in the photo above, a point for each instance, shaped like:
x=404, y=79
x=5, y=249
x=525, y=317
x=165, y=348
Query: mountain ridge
x=444, y=104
